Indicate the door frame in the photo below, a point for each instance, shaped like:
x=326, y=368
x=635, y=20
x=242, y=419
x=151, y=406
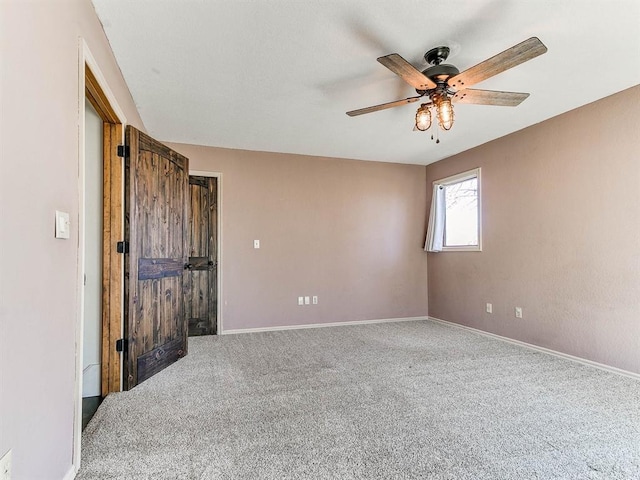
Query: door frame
x=92, y=85
x=219, y=249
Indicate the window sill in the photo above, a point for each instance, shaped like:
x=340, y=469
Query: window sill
x=475, y=248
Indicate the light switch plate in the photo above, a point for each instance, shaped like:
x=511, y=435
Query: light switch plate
x=256, y=244
x=62, y=224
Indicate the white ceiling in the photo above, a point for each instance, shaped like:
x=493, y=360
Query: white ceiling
x=279, y=75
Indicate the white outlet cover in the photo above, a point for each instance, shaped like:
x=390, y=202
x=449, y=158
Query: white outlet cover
x=518, y=312
x=256, y=244
x=306, y=300
x=5, y=466
x=300, y=300
x=315, y=299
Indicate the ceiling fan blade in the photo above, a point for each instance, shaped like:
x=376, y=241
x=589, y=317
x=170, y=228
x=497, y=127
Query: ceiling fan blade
x=510, y=58
x=407, y=72
x=383, y=106
x=489, y=97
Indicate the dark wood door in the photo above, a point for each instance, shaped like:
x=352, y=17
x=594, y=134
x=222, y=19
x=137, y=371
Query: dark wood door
x=156, y=222
x=201, y=300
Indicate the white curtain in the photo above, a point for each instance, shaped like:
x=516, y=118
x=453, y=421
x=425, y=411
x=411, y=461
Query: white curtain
x=435, y=230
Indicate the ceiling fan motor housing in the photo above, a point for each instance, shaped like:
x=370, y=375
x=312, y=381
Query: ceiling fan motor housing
x=439, y=74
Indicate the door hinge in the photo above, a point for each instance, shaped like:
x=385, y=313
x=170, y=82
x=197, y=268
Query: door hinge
x=122, y=247
x=121, y=344
x=123, y=151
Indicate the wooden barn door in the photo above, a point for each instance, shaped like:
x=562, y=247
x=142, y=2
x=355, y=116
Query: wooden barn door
x=156, y=221
x=201, y=292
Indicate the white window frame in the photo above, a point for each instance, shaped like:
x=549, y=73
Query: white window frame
x=460, y=177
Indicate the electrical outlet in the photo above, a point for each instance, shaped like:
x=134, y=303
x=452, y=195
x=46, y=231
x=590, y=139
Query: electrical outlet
x=256, y=244
x=300, y=300
x=489, y=308
x=306, y=300
x=5, y=466
x=518, y=312
x=315, y=299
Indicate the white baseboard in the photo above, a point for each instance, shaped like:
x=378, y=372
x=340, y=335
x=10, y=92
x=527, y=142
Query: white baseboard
x=321, y=325
x=71, y=474
x=548, y=351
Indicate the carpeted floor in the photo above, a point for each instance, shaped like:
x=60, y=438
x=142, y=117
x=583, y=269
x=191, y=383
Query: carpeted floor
x=414, y=400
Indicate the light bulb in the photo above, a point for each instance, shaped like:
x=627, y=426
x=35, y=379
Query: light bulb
x=445, y=112
x=423, y=117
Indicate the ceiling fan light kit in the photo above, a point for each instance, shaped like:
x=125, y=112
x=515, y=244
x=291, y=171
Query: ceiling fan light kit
x=423, y=117
x=443, y=84
x=444, y=109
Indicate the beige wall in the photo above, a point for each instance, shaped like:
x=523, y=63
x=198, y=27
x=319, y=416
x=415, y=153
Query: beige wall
x=347, y=231
x=38, y=274
x=561, y=236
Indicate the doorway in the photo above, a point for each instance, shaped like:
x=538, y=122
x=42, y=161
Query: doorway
x=111, y=215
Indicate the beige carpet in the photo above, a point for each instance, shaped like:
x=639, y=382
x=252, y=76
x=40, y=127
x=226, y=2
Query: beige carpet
x=415, y=400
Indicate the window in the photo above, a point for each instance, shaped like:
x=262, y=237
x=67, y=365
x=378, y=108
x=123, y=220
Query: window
x=454, y=220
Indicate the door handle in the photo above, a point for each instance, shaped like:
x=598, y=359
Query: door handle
x=188, y=266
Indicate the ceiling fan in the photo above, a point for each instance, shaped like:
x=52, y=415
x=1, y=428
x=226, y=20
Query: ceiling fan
x=443, y=84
